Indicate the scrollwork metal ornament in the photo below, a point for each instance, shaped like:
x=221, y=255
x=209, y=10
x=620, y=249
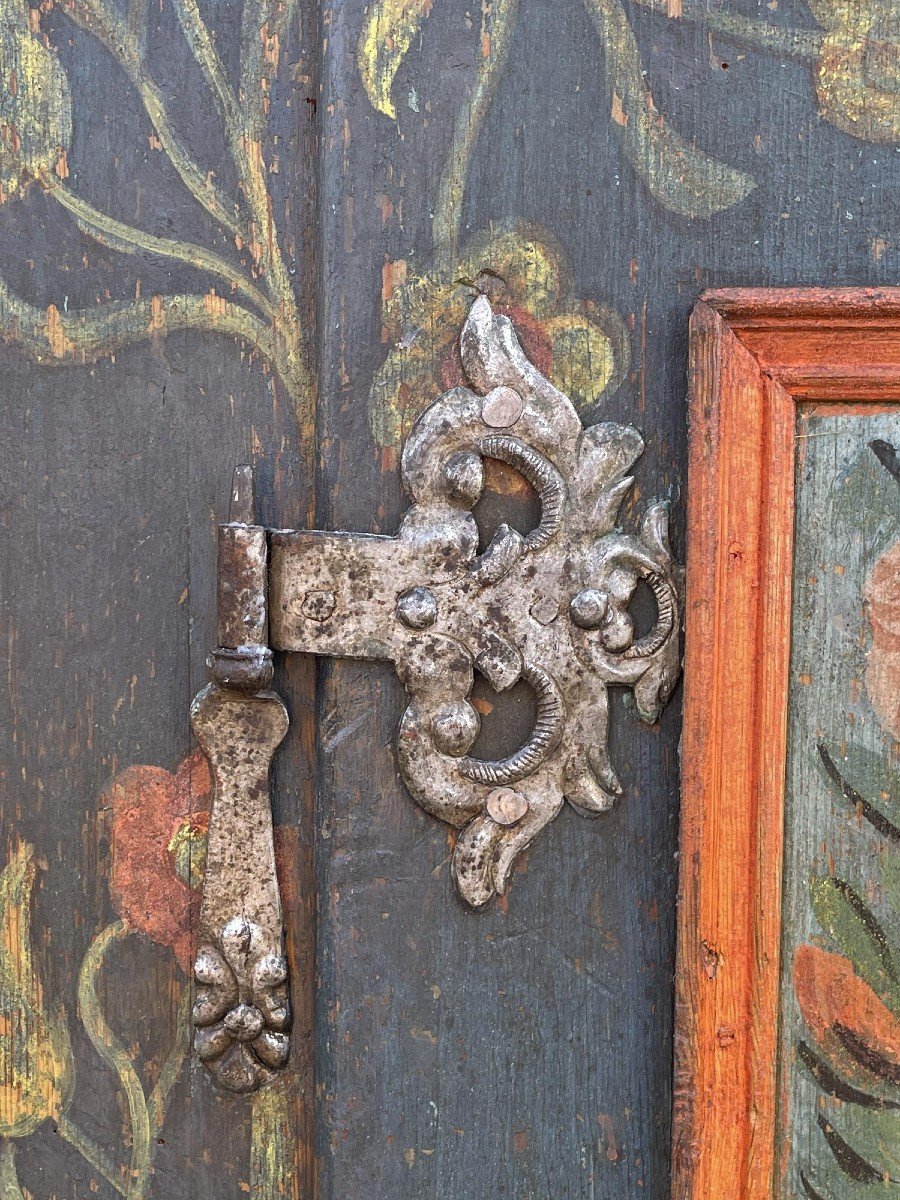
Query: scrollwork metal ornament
x=550, y=606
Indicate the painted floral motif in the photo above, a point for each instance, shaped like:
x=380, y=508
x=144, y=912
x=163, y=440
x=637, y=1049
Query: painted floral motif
x=677, y=174
x=882, y=594
x=37, y=1073
x=855, y=66
x=159, y=824
x=244, y=290
x=159, y=821
x=858, y=68
x=248, y=292
x=386, y=36
x=854, y=56
x=855, y=62
x=847, y=983
x=35, y=106
x=581, y=346
x=251, y=295
x=849, y=997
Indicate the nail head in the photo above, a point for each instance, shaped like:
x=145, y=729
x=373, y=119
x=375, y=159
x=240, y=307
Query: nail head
x=502, y=407
x=506, y=806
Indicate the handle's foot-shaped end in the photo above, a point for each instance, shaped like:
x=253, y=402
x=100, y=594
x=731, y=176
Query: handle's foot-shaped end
x=242, y=1013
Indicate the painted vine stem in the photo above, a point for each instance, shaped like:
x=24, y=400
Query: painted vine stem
x=37, y=1067
x=678, y=175
x=251, y=296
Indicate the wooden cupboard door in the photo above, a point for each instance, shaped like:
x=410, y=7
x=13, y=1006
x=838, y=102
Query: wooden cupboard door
x=250, y=231
x=139, y=297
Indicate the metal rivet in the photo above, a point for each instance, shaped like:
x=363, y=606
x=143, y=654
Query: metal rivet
x=417, y=607
x=506, y=806
x=502, y=407
x=318, y=605
x=455, y=727
x=544, y=610
x=589, y=608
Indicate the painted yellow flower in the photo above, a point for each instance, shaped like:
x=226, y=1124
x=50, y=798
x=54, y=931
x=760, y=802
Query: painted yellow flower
x=581, y=346
x=858, y=71
x=36, y=1067
x=35, y=105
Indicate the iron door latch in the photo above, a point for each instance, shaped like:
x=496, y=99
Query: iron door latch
x=550, y=606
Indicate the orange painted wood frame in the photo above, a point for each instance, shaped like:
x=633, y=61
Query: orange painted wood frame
x=755, y=355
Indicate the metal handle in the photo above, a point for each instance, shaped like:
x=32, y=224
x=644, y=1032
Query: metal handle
x=242, y=1012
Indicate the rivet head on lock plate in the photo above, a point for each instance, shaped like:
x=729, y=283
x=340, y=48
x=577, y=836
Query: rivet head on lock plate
x=506, y=806
x=318, y=605
x=589, y=608
x=502, y=407
x=544, y=610
x=417, y=607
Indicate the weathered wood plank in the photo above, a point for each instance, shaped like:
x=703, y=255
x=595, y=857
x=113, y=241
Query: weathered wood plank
x=118, y=444
x=541, y=1032
x=641, y=226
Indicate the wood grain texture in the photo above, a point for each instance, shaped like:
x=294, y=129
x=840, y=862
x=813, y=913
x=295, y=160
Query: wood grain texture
x=114, y=474
x=738, y=630
x=613, y=169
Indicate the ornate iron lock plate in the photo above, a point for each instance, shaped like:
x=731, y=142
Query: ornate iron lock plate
x=550, y=606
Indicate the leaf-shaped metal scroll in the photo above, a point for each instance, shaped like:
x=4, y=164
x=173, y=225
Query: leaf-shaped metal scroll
x=550, y=606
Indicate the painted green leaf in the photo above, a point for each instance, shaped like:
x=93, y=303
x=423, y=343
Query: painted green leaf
x=681, y=177
x=833, y=1083
x=890, y=882
x=868, y=784
x=866, y=502
x=873, y=1136
x=834, y=1185
x=386, y=37
x=853, y=1164
x=854, y=928
x=35, y=105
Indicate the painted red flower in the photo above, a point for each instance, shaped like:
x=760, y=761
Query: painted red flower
x=882, y=591
x=159, y=821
